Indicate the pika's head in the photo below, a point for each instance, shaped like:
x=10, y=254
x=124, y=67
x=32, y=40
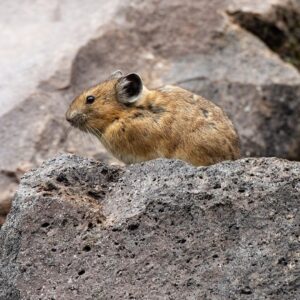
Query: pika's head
x=97, y=107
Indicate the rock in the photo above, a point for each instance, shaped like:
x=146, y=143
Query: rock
x=275, y=22
x=80, y=229
x=215, y=49
x=38, y=45
x=5, y=204
x=39, y=40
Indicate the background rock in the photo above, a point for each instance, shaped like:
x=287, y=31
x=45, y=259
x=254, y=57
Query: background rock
x=216, y=49
x=40, y=39
x=79, y=229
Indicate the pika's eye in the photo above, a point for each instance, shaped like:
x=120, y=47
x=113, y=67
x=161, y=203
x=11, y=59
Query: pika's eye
x=90, y=99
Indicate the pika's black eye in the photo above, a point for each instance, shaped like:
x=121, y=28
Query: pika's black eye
x=90, y=99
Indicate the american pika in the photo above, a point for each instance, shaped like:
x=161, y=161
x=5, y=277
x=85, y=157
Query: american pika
x=136, y=124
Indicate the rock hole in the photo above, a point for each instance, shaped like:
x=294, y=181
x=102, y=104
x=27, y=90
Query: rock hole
x=86, y=248
x=104, y=171
x=50, y=186
x=181, y=241
x=81, y=272
x=246, y=291
x=44, y=225
x=282, y=261
x=133, y=226
x=116, y=229
x=96, y=194
x=217, y=186
x=46, y=194
x=62, y=179
x=190, y=282
x=208, y=197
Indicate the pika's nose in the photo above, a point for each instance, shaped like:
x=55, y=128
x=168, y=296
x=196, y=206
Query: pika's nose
x=69, y=117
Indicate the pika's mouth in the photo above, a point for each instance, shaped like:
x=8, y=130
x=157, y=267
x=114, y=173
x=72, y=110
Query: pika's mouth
x=77, y=120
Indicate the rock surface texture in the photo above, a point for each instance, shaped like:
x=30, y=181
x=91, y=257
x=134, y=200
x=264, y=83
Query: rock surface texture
x=244, y=55
x=79, y=229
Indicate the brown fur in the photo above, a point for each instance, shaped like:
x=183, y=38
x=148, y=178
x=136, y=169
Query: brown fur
x=169, y=122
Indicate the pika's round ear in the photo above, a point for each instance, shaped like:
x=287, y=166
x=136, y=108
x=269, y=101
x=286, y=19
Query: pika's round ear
x=115, y=75
x=129, y=88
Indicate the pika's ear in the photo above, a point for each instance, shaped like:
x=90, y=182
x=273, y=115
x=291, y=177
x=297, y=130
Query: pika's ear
x=115, y=75
x=129, y=88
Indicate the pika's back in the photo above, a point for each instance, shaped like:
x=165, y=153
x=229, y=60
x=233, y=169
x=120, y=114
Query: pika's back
x=137, y=124
x=193, y=128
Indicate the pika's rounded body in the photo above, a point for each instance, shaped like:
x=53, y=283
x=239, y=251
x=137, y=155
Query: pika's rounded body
x=136, y=124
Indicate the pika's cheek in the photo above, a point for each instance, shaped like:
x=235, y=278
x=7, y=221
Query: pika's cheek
x=95, y=122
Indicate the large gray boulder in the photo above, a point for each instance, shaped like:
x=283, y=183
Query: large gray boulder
x=213, y=48
x=80, y=229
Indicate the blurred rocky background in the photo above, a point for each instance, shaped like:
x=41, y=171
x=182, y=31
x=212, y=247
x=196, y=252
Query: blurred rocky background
x=242, y=54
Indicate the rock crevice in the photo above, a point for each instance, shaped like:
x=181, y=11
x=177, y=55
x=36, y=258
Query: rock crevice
x=278, y=28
